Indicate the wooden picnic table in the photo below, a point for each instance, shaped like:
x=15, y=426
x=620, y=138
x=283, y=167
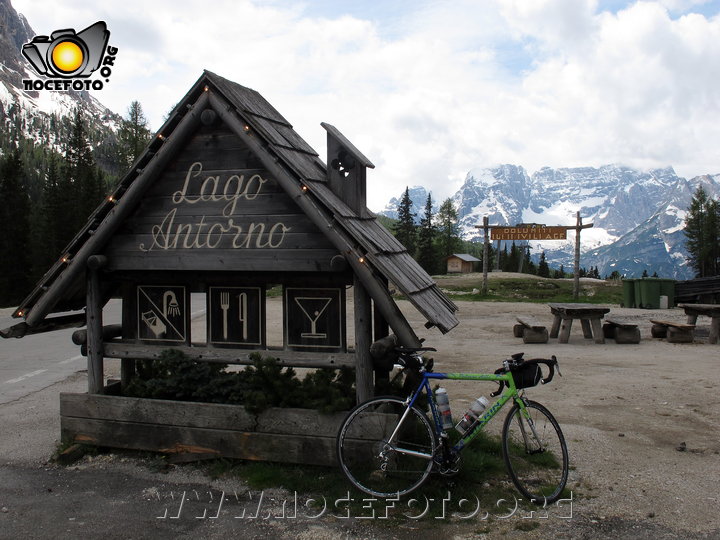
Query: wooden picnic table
x=590, y=316
x=708, y=310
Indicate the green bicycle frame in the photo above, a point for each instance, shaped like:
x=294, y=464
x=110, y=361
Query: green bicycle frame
x=509, y=393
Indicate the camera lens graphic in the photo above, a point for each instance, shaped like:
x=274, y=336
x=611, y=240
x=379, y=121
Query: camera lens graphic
x=68, y=56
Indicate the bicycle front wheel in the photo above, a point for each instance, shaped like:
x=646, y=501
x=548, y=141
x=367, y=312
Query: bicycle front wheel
x=535, y=453
x=386, y=448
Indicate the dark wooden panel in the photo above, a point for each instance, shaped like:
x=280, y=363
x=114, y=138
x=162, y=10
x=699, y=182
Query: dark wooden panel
x=174, y=180
x=263, y=204
x=297, y=222
x=156, y=411
x=307, y=449
x=121, y=349
x=243, y=260
x=252, y=238
x=314, y=319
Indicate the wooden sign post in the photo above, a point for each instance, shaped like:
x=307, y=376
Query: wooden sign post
x=532, y=232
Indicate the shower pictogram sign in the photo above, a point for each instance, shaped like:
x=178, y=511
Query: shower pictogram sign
x=162, y=313
x=314, y=319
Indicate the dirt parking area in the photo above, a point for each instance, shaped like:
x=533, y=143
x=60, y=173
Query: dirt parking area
x=642, y=421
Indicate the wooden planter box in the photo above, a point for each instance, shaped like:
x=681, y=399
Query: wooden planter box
x=283, y=435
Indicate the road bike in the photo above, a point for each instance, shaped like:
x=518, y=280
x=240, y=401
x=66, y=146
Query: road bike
x=388, y=446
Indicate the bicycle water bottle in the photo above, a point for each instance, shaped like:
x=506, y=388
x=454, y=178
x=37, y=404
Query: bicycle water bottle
x=443, y=403
x=472, y=414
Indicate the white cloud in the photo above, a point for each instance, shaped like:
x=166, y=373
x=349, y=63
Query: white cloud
x=435, y=88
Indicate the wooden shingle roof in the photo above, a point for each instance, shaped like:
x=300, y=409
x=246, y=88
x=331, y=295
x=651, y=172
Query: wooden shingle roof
x=63, y=287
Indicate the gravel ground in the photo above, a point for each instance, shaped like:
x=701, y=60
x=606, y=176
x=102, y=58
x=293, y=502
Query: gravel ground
x=641, y=423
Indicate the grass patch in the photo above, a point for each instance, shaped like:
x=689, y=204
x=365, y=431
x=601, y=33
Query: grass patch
x=482, y=483
x=534, y=290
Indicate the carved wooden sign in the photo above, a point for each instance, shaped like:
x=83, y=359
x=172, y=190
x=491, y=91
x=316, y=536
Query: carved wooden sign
x=220, y=200
x=217, y=208
x=315, y=319
x=538, y=232
x=236, y=316
x=162, y=313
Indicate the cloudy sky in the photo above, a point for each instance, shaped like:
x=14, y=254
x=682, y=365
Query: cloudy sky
x=429, y=89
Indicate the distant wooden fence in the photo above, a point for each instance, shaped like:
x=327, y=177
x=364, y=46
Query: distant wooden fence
x=698, y=291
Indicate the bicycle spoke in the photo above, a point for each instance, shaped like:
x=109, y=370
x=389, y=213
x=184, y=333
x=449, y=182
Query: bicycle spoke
x=535, y=453
x=380, y=466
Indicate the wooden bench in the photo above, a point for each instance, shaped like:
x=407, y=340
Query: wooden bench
x=674, y=332
x=531, y=330
x=621, y=331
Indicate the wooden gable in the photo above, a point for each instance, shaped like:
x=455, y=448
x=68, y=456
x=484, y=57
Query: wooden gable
x=215, y=207
x=305, y=217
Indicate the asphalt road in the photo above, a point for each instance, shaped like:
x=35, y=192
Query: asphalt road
x=37, y=361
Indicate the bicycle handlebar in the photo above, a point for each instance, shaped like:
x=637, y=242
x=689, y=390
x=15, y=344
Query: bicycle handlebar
x=517, y=362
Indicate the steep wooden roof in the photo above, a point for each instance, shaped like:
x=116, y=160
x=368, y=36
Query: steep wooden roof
x=62, y=288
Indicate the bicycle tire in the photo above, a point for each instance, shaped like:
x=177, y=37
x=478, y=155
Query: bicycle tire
x=539, y=471
x=376, y=467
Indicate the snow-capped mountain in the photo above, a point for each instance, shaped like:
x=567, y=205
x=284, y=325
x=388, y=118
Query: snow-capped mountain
x=34, y=114
x=418, y=197
x=638, y=216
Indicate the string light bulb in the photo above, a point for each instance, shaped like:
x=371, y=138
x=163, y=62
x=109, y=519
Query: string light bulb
x=112, y=199
x=246, y=128
x=161, y=137
x=20, y=313
x=304, y=188
x=206, y=88
x=361, y=260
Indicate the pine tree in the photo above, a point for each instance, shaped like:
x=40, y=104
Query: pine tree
x=15, y=227
x=702, y=231
x=82, y=184
x=405, y=227
x=448, y=237
x=543, y=268
x=426, y=255
x=133, y=135
x=46, y=241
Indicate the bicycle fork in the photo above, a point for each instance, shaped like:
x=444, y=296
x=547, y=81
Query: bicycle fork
x=524, y=416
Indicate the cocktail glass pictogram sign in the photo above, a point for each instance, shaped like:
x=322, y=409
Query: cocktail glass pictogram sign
x=236, y=316
x=315, y=319
x=162, y=313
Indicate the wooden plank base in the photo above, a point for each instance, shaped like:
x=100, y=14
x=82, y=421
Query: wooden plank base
x=206, y=429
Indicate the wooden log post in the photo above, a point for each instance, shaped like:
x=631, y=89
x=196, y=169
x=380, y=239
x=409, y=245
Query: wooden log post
x=576, y=282
x=363, y=339
x=93, y=312
x=486, y=254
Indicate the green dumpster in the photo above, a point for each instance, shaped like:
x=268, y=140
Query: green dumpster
x=629, y=293
x=649, y=293
x=638, y=292
x=667, y=288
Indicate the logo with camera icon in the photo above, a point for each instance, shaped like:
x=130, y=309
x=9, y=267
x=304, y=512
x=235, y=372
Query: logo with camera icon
x=68, y=59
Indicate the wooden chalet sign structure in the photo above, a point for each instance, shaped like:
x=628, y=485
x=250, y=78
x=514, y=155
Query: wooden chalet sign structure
x=226, y=200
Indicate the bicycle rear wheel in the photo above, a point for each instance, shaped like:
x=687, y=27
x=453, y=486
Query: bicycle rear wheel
x=377, y=465
x=535, y=453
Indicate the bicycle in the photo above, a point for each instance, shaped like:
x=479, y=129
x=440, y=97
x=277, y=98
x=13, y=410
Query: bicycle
x=388, y=447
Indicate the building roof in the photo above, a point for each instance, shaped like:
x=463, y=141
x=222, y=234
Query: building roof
x=62, y=288
x=464, y=257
